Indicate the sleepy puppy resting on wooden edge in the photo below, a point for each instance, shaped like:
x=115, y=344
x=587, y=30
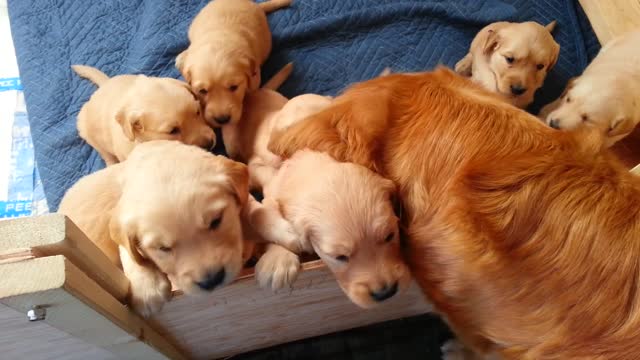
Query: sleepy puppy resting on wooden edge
x=130, y=109
x=344, y=213
x=524, y=237
x=606, y=95
x=511, y=59
x=170, y=213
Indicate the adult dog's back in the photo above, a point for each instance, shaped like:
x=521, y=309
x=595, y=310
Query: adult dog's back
x=525, y=237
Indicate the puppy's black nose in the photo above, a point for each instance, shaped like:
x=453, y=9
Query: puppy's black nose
x=223, y=119
x=384, y=293
x=211, y=280
x=554, y=123
x=518, y=90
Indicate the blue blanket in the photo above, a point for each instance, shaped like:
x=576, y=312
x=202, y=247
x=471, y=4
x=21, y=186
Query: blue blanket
x=332, y=42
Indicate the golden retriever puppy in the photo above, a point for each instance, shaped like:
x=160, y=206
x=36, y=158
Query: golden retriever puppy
x=524, y=237
x=266, y=111
x=511, y=59
x=343, y=212
x=229, y=41
x=130, y=109
x=606, y=95
x=170, y=213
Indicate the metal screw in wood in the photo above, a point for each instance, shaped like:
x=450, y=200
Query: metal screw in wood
x=36, y=313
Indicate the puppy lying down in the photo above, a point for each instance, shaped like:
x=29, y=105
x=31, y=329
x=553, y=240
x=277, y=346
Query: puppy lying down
x=341, y=211
x=511, y=59
x=130, y=109
x=170, y=213
x=229, y=41
x=606, y=95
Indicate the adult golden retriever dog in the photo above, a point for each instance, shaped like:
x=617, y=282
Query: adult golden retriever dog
x=524, y=237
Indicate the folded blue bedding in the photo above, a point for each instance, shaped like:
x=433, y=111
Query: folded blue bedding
x=332, y=42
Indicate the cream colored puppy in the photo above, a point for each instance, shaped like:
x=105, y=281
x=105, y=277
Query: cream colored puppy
x=606, y=95
x=170, y=213
x=511, y=59
x=229, y=41
x=130, y=109
x=341, y=211
x=267, y=111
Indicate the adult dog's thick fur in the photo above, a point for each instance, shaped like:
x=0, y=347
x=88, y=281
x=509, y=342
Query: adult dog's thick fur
x=524, y=237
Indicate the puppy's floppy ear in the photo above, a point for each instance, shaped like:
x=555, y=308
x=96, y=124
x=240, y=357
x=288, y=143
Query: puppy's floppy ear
x=130, y=122
x=550, y=26
x=126, y=238
x=554, y=58
x=252, y=72
x=237, y=180
x=621, y=126
x=390, y=188
x=492, y=41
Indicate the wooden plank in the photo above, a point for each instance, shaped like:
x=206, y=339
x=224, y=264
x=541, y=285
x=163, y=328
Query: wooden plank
x=78, y=306
x=610, y=18
x=241, y=317
x=55, y=234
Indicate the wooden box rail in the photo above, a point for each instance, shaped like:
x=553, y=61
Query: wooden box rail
x=47, y=262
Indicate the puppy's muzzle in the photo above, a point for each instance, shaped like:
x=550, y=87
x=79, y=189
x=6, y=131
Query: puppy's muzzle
x=212, y=280
x=384, y=293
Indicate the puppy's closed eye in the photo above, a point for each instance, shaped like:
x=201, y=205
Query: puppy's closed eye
x=174, y=130
x=203, y=92
x=233, y=88
x=540, y=66
x=342, y=258
x=215, y=223
x=510, y=59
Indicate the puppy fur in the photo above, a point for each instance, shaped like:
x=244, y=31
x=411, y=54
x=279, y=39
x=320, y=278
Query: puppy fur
x=523, y=237
x=606, y=95
x=511, y=59
x=130, y=109
x=343, y=212
x=229, y=41
x=267, y=111
x=170, y=213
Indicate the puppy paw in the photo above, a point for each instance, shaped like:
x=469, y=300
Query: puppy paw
x=278, y=268
x=150, y=290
